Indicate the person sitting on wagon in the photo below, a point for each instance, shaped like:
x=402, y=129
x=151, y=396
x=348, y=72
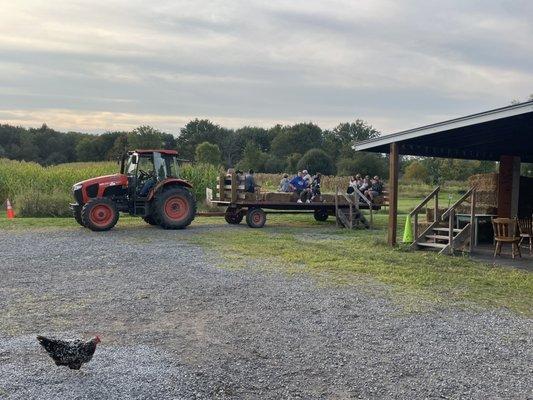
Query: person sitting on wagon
x=284, y=184
x=249, y=182
x=375, y=190
x=315, y=186
x=298, y=183
x=309, y=193
x=308, y=178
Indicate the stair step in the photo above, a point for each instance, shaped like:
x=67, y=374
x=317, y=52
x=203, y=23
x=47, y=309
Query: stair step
x=439, y=237
x=435, y=245
x=446, y=229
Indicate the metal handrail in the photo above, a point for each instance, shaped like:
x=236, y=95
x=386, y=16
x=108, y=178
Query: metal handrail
x=457, y=203
x=425, y=201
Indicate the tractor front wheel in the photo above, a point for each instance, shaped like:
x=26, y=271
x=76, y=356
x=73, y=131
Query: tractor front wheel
x=99, y=214
x=77, y=216
x=175, y=208
x=255, y=218
x=233, y=215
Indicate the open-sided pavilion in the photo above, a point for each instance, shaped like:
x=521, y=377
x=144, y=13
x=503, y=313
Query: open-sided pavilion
x=504, y=134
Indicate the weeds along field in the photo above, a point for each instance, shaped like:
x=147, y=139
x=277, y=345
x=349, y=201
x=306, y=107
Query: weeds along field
x=38, y=191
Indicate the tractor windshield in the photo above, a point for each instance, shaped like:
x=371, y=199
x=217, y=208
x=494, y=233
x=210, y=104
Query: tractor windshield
x=165, y=165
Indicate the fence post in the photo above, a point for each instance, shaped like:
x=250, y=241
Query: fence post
x=336, y=207
x=472, y=219
x=450, y=226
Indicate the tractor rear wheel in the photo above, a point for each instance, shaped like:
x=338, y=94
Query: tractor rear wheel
x=150, y=220
x=99, y=214
x=321, y=214
x=233, y=215
x=255, y=217
x=175, y=208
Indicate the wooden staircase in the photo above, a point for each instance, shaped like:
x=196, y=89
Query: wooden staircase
x=442, y=235
x=350, y=216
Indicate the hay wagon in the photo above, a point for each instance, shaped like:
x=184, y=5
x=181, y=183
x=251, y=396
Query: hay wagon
x=239, y=204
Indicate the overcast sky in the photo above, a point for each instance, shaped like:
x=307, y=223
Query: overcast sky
x=104, y=65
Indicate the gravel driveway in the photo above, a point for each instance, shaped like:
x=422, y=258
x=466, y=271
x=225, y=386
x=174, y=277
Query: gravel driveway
x=174, y=325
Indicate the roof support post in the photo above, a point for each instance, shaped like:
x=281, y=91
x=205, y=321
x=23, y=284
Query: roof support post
x=394, y=167
x=508, y=186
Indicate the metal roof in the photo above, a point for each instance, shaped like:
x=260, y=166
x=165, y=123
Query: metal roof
x=482, y=136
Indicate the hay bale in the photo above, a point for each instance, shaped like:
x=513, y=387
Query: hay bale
x=280, y=197
x=430, y=213
x=484, y=182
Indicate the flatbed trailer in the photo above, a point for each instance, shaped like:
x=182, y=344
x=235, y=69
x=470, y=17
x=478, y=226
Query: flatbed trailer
x=231, y=194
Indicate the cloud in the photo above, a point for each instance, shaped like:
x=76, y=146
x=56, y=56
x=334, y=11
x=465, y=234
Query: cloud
x=78, y=64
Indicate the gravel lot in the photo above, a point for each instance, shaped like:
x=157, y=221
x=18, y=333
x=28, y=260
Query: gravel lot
x=174, y=325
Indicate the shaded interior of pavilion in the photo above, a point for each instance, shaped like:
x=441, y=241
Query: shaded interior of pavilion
x=504, y=135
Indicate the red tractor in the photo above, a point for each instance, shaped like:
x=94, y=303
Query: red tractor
x=148, y=186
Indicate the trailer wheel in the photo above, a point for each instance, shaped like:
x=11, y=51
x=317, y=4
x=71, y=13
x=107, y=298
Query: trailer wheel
x=321, y=214
x=255, y=217
x=233, y=215
x=175, y=208
x=99, y=214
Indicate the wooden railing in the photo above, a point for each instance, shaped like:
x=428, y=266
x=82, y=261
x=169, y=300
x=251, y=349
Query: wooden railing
x=414, y=214
x=450, y=214
x=353, y=204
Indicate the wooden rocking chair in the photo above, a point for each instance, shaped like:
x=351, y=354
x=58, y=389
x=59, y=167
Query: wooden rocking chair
x=526, y=231
x=505, y=232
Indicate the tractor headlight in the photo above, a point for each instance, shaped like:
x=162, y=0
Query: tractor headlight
x=76, y=187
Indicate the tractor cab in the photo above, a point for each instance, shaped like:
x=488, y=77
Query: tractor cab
x=147, y=168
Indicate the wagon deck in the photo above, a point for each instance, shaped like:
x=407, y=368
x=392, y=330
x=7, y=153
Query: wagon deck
x=231, y=193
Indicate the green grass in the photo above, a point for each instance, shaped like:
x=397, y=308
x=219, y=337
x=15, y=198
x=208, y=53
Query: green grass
x=299, y=244
x=416, y=279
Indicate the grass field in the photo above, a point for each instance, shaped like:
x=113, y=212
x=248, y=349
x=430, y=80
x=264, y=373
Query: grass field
x=298, y=244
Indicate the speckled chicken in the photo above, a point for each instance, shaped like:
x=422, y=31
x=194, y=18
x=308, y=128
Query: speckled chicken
x=71, y=353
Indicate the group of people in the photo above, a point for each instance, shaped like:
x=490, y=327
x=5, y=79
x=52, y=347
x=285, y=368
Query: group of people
x=370, y=187
x=307, y=187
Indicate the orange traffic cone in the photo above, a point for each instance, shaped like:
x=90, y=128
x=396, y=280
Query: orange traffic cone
x=9, y=210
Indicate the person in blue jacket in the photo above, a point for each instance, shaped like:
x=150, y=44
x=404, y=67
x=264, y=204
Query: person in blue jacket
x=298, y=183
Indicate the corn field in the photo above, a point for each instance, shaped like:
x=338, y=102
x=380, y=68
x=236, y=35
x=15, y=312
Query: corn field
x=35, y=190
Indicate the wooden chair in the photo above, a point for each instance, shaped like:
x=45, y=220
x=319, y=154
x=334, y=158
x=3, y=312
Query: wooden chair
x=505, y=232
x=526, y=231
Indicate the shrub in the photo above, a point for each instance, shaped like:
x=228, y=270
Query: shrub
x=35, y=203
x=316, y=160
x=207, y=153
x=416, y=171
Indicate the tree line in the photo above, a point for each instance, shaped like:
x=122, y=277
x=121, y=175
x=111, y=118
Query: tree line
x=282, y=148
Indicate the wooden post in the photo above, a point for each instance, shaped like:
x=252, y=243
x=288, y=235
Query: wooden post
x=472, y=219
x=451, y=226
x=221, y=183
x=415, y=228
x=436, y=212
x=508, y=186
x=393, y=193
x=234, y=184
x=336, y=207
